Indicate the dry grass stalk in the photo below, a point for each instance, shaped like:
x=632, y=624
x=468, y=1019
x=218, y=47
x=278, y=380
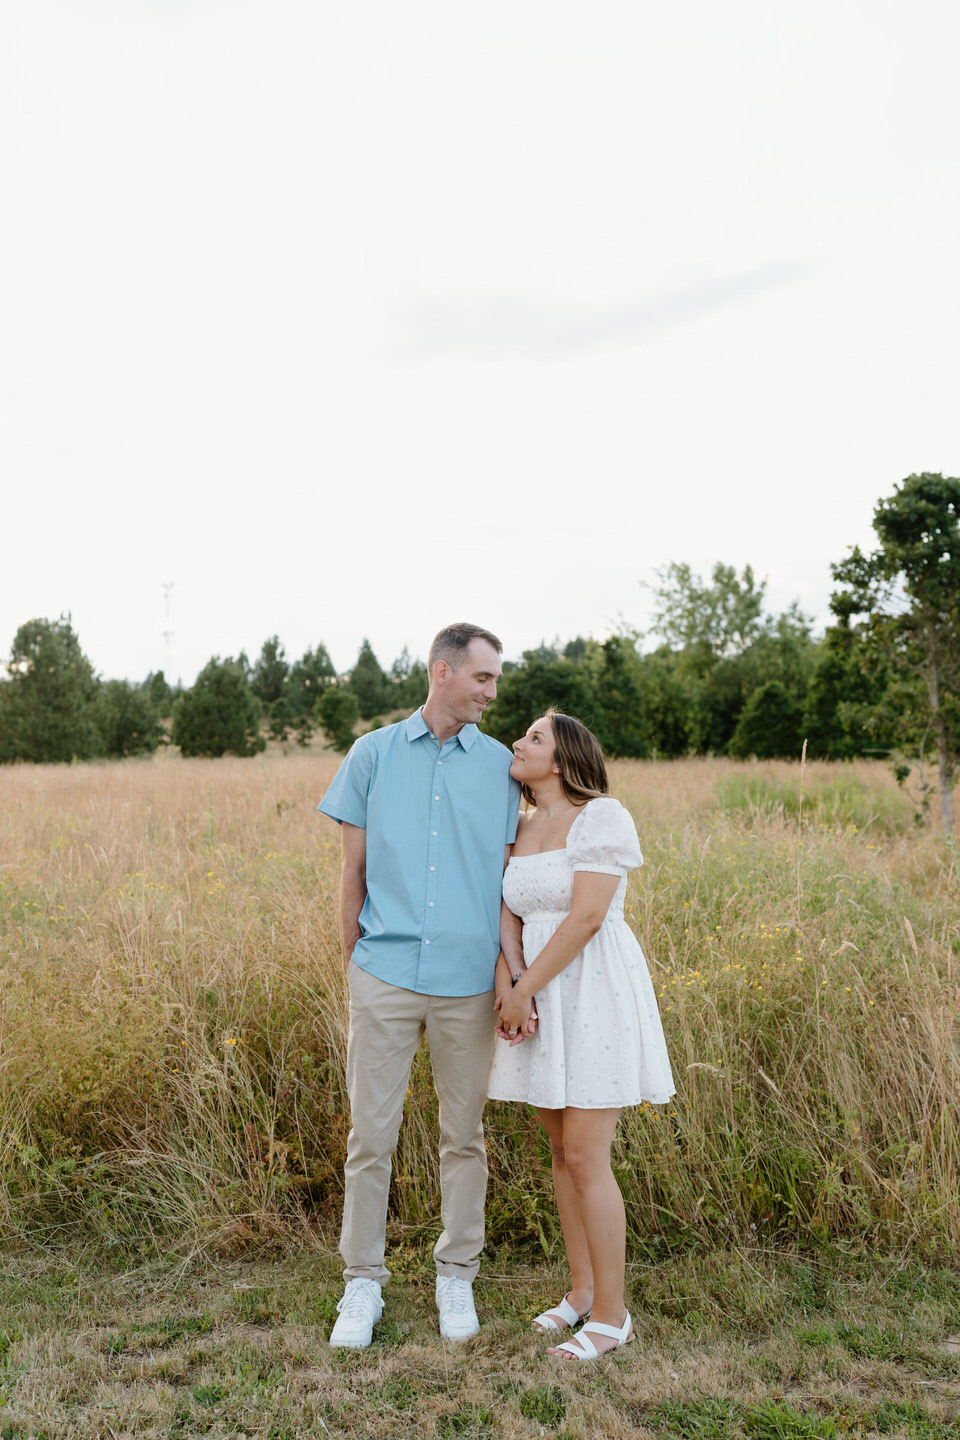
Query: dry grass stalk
x=172, y=1011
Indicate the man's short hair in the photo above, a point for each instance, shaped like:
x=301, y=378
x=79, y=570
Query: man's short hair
x=453, y=642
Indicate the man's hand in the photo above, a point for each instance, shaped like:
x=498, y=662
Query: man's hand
x=505, y=984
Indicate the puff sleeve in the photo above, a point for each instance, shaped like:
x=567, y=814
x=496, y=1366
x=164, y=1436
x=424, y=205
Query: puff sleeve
x=603, y=838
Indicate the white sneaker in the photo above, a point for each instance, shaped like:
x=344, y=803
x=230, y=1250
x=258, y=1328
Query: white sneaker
x=458, y=1315
x=359, y=1310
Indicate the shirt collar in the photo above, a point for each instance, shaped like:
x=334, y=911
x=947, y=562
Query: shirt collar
x=416, y=727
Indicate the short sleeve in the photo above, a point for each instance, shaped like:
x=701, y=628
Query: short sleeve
x=346, y=799
x=513, y=812
x=603, y=838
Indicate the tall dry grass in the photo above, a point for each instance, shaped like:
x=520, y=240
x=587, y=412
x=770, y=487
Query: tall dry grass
x=172, y=1011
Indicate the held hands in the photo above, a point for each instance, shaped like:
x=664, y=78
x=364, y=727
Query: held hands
x=517, y=1012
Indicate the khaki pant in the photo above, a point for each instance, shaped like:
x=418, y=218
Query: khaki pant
x=386, y=1025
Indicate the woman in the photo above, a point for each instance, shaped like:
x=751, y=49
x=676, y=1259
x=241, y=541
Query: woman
x=599, y=1044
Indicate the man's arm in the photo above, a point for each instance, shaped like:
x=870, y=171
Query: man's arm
x=353, y=885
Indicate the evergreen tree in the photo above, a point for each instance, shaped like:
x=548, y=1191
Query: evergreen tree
x=308, y=678
x=48, y=706
x=220, y=714
x=537, y=685
x=280, y=719
x=338, y=712
x=369, y=685
x=126, y=719
x=160, y=695
x=410, y=681
x=270, y=672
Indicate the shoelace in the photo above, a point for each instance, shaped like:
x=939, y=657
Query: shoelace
x=355, y=1302
x=455, y=1297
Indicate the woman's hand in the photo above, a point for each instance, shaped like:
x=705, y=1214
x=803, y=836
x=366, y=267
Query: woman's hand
x=517, y=1010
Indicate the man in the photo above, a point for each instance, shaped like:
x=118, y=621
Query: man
x=428, y=812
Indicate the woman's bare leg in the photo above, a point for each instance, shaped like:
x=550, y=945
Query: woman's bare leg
x=593, y=1196
x=568, y=1208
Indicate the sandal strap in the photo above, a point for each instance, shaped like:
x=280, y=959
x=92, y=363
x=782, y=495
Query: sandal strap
x=581, y=1347
x=566, y=1312
x=584, y=1349
x=614, y=1331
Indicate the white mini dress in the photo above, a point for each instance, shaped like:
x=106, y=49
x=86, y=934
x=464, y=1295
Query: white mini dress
x=599, y=1043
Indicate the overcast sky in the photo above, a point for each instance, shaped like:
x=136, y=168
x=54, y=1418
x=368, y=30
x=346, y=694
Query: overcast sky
x=354, y=319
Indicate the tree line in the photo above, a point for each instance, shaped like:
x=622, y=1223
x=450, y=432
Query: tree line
x=716, y=673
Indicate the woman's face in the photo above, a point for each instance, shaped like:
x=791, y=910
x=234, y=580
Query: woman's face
x=535, y=755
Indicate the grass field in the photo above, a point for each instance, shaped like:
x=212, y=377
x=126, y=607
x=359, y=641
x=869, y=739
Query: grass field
x=171, y=1048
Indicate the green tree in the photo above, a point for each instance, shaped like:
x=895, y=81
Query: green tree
x=718, y=619
x=769, y=726
x=127, y=721
x=676, y=708
x=338, y=712
x=620, y=719
x=160, y=695
x=724, y=648
x=309, y=676
x=279, y=718
x=842, y=711
x=220, y=714
x=537, y=685
x=908, y=591
x=270, y=673
x=369, y=684
x=410, y=680
x=48, y=705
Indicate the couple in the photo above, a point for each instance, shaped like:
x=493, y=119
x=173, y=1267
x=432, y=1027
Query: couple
x=428, y=810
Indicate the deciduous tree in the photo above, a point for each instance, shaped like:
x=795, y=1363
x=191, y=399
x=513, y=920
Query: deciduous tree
x=908, y=591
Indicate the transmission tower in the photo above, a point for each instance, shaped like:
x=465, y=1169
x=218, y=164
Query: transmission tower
x=167, y=586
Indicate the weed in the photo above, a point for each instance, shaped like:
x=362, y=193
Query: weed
x=775, y=1420
x=208, y=1395
x=545, y=1404
x=704, y=1419
x=874, y=1343
x=473, y=1420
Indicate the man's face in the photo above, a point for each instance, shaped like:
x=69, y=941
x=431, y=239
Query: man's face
x=469, y=689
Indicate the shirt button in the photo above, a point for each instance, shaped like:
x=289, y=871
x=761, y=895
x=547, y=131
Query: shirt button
x=436, y=797
x=439, y=762
x=426, y=942
x=433, y=867
x=434, y=832
x=430, y=904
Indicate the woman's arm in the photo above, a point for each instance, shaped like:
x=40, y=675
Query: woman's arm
x=592, y=894
x=510, y=967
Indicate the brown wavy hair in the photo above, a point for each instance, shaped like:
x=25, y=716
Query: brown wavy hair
x=583, y=772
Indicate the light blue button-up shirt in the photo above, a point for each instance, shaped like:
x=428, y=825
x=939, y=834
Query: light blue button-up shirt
x=437, y=821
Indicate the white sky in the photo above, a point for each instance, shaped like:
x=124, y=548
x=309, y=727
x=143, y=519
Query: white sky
x=354, y=319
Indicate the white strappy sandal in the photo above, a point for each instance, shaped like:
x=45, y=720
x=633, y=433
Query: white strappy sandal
x=546, y=1323
x=581, y=1347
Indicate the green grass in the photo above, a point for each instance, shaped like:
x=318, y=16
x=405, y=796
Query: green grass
x=844, y=803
